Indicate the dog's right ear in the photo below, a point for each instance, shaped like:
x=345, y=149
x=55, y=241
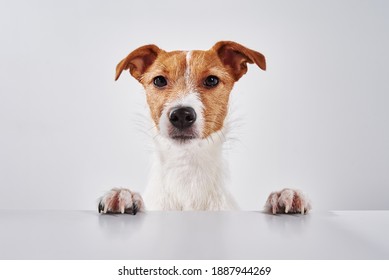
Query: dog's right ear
x=138, y=61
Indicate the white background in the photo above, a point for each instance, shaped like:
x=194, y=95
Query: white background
x=316, y=120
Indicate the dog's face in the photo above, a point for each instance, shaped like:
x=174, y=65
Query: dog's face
x=188, y=91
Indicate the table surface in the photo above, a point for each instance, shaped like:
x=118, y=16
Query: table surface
x=193, y=235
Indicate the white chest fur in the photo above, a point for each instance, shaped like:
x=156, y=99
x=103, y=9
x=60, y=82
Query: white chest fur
x=188, y=177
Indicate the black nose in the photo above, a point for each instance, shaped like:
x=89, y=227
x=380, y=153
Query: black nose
x=182, y=118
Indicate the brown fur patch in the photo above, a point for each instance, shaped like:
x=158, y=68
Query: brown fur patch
x=215, y=100
x=172, y=66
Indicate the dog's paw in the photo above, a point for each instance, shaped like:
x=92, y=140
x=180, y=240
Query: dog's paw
x=122, y=201
x=288, y=201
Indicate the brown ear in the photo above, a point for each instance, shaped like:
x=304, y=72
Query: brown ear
x=138, y=61
x=236, y=57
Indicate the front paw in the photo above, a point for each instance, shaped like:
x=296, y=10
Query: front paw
x=288, y=201
x=122, y=201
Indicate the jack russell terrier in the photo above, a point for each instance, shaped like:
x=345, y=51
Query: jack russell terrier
x=187, y=93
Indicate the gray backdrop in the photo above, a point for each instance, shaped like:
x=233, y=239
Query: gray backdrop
x=316, y=120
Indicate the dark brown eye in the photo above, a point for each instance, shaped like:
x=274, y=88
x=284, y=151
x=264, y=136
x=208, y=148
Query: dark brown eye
x=160, y=81
x=211, y=81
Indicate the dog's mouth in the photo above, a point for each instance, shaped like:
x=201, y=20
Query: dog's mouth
x=183, y=136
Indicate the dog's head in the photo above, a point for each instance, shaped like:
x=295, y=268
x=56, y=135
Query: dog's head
x=188, y=91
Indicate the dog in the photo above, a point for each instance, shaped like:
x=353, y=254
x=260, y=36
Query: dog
x=187, y=93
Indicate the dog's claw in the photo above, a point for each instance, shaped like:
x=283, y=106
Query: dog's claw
x=100, y=208
x=134, y=210
x=288, y=201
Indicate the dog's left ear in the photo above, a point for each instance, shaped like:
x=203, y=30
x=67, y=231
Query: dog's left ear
x=236, y=57
x=138, y=61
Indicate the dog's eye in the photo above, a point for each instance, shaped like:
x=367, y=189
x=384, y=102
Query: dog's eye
x=211, y=81
x=160, y=81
